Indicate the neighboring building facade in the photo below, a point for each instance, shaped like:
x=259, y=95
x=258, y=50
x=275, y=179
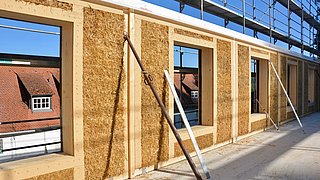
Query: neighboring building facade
x=29, y=93
x=112, y=126
x=29, y=111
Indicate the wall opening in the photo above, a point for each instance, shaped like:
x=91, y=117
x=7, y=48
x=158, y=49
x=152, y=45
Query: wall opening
x=187, y=81
x=259, y=85
x=30, y=103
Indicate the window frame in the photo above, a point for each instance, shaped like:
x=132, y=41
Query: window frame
x=263, y=88
x=194, y=94
x=257, y=77
x=182, y=70
x=292, y=72
x=71, y=101
x=41, y=108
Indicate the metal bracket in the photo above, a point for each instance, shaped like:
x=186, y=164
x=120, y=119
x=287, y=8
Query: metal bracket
x=182, y=5
x=226, y=22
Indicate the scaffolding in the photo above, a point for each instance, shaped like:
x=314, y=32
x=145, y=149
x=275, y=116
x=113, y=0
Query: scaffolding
x=287, y=22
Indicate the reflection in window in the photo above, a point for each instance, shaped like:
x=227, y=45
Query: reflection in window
x=254, y=85
x=186, y=80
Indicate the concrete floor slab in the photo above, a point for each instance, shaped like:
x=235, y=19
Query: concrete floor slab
x=288, y=154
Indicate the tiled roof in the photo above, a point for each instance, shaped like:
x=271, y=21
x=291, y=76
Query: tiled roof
x=35, y=84
x=14, y=105
x=189, y=83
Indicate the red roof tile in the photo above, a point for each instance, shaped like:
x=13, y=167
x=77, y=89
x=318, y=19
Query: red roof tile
x=35, y=84
x=12, y=105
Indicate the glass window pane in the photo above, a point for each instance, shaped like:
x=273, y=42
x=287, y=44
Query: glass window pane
x=190, y=57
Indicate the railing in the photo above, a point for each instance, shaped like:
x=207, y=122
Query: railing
x=275, y=16
x=29, y=142
x=192, y=115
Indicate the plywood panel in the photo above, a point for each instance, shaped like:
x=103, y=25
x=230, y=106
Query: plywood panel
x=224, y=109
x=51, y=3
x=103, y=98
x=244, y=89
x=203, y=141
x=273, y=89
x=64, y=174
x=155, y=57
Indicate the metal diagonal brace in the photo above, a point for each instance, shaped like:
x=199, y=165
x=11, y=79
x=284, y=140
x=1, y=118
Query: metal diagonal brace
x=186, y=123
x=268, y=116
x=285, y=92
x=148, y=80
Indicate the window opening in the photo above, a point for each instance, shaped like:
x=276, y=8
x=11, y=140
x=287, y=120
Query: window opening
x=30, y=66
x=187, y=84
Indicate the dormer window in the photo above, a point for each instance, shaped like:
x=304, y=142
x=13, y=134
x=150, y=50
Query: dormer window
x=194, y=94
x=37, y=91
x=41, y=103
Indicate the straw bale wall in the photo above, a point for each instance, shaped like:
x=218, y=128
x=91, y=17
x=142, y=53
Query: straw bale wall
x=51, y=3
x=243, y=89
x=258, y=125
x=259, y=51
x=192, y=34
x=154, y=128
x=273, y=89
x=66, y=174
x=283, y=98
x=224, y=100
x=203, y=142
x=290, y=115
x=103, y=94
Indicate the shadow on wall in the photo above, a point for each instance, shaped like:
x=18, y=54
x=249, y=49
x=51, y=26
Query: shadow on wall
x=163, y=120
x=106, y=173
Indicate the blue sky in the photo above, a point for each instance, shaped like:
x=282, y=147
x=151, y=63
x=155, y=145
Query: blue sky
x=22, y=42
x=30, y=43
x=261, y=6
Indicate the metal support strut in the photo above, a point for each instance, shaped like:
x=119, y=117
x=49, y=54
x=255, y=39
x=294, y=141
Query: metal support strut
x=148, y=81
x=268, y=116
x=285, y=92
x=186, y=123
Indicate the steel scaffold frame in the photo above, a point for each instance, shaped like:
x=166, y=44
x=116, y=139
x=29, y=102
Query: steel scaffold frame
x=301, y=33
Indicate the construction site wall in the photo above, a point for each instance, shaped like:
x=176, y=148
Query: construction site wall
x=112, y=124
